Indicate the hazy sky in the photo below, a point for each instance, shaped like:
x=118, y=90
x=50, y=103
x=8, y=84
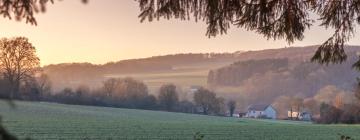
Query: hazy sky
x=109, y=30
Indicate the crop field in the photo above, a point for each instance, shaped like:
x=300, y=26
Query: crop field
x=56, y=121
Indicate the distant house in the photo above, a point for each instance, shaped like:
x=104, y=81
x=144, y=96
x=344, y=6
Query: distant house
x=194, y=89
x=191, y=91
x=261, y=111
x=236, y=115
x=304, y=116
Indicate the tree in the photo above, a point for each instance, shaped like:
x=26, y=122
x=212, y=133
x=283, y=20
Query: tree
x=43, y=84
x=29, y=90
x=186, y=106
x=131, y=89
x=168, y=97
x=329, y=113
x=218, y=107
x=4, y=89
x=109, y=86
x=18, y=61
x=296, y=104
x=231, y=106
x=312, y=105
x=82, y=90
x=205, y=100
x=282, y=104
x=124, y=88
x=338, y=101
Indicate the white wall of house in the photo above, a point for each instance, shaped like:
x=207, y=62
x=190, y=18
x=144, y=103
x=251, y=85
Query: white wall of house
x=294, y=114
x=300, y=116
x=270, y=112
x=254, y=114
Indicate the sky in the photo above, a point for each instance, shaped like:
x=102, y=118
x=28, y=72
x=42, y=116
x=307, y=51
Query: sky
x=110, y=30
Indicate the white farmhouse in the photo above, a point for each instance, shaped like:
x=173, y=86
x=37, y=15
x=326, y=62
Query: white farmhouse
x=261, y=111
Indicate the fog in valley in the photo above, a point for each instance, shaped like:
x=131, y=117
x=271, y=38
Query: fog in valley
x=277, y=76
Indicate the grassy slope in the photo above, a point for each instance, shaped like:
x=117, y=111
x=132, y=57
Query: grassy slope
x=56, y=121
x=182, y=79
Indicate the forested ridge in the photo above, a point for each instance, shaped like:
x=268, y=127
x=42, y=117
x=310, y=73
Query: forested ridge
x=269, y=74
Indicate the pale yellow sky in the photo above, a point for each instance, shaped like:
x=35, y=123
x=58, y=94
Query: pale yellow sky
x=109, y=30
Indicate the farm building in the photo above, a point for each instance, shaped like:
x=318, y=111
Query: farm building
x=304, y=116
x=194, y=89
x=261, y=111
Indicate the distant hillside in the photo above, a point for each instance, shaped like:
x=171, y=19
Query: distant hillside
x=265, y=75
x=151, y=70
x=238, y=69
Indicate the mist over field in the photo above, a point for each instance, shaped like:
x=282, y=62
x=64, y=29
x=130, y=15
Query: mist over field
x=249, y=77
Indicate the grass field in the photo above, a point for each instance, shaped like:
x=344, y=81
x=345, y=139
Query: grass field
x=57, y=121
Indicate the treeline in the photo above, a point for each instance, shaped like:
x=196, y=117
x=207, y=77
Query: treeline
x=236, y=73
x=121, y=93
x=340, y=110
x=329, y=106
x=267, y=79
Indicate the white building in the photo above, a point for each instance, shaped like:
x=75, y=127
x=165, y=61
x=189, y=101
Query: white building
x=304, y=116
x=261, y=111
x=193, y=89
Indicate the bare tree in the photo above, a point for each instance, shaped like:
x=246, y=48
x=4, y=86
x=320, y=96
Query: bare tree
x=312, y=105
x=296, y=105
x=18, y=61
x=231, y=106
x=109, y=86
x=168, y=97
x=338, y=101
x=43, y=84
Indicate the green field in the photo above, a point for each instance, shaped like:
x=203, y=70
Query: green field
x=57, y=121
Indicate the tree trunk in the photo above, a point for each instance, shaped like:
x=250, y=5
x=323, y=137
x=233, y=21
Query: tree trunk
x=12, y=89
x=205, y=110
x=298, y=114
x=16, y=89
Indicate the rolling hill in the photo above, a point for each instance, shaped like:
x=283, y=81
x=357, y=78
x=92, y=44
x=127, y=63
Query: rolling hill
x=181, y=69
x=227, y=70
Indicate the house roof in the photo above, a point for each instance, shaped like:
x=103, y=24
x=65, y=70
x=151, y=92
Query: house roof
x=258, y=107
